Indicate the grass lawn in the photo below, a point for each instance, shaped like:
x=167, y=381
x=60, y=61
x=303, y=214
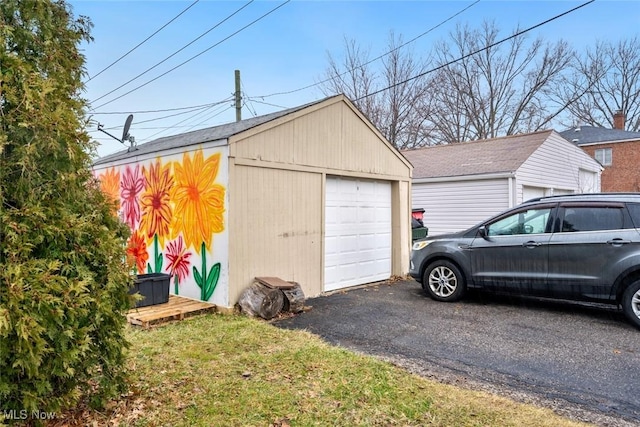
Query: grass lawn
x=222, y=370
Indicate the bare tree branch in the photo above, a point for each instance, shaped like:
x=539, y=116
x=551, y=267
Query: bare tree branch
x=399, y=113
x=500, y=91
x=612, y=72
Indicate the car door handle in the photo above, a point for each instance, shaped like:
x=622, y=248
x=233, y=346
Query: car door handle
x=618, y=242
x=531, y=244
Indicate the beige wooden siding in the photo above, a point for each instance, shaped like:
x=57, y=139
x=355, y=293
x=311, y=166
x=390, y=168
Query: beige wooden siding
x=331, y=137
x=401, y=227
x=275, y=219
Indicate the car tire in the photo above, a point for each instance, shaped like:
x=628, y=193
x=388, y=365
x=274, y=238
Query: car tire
x=631, y=303
x=443, y=281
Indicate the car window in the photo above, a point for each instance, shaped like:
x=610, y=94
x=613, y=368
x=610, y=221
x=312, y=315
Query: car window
x=532, y=221
x=592, y=219
x=634, y=210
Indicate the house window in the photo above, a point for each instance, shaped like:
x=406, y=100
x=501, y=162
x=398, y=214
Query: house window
x=603, y=155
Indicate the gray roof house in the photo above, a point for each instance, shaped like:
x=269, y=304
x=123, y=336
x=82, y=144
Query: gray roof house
x=616, y=149
x=459, y=185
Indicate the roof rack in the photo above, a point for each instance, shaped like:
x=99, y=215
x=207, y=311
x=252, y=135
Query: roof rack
x=583, y=195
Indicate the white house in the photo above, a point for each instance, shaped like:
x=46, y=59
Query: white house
x=313, y=194
x=460, y=185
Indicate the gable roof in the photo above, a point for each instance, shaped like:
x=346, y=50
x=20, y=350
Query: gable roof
x=216, y=133
x=488, y=156
x=583, y=135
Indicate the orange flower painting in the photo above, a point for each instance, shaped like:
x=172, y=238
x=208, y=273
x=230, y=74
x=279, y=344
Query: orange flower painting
x=198, y=202
x=137, y=249
x=110, y=185
x=156, y=209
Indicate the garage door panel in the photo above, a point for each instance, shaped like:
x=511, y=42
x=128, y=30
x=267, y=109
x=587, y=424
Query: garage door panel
x=367, y=242
x=357, y=232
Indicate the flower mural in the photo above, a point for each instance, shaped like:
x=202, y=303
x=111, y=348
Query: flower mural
x=178, y=258
x=110, y=185
x=199, y=203
x=174, y=208
x=130, y=187
x=156, y=209
x=137, y=249
x=198, y=213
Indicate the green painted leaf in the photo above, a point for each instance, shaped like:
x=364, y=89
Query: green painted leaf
x=159, y=263
x=198, y=277
x=212, y=280
x=149, y=270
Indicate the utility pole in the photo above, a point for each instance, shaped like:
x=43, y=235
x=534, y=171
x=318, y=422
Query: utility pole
x=238, y=98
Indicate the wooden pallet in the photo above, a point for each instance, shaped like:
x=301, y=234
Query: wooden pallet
x=176, y=309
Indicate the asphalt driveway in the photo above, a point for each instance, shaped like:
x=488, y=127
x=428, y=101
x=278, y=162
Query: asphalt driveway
x=582, y=360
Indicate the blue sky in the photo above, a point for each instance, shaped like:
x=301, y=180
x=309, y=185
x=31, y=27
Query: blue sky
x=284, y=51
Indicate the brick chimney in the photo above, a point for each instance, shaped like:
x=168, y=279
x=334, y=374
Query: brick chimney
x=618, y=120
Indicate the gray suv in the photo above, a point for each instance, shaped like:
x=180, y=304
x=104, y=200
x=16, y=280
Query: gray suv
x=578, y=247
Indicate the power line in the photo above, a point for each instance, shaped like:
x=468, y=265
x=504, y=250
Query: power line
x=251, y=109
x=246, y=98
x=142, y=42
x=267, y=103
x=174, y=53
x=199, y=54
x=173, y=115
x=377, y=58
x=201, y=108
x=157, y=111
x=210, y=117
x=185, y=120
x=477, y=51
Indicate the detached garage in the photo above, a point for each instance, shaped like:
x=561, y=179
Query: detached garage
x=313, y=194
x=460, y=185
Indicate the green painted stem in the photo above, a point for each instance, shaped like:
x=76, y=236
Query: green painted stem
x=203, y=288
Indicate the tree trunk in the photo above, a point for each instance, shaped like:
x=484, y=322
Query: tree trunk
x=293, y=299
x=260, y=300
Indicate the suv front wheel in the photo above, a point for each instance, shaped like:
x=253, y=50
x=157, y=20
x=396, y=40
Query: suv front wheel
x=631, y=303
x=443, y=281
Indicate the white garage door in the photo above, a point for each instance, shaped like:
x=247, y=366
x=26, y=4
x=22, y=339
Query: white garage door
x=357, y=245
x=529, y=192
x=588, y=181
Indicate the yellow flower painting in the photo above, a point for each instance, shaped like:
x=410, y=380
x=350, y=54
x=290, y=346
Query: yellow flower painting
x=198, y=200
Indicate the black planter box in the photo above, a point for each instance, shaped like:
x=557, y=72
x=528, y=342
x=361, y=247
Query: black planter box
x=154, y=287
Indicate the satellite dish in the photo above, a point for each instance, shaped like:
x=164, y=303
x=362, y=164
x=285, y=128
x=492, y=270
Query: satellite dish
x=125, y=134
x=125, y=131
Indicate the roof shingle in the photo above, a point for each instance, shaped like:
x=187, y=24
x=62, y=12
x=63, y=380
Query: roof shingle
x=497, y=155
x=582, y=135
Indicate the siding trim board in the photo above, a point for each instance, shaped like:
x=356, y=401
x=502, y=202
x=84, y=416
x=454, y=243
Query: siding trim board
x=588, y=144
x=316, y=169
x=465, y=178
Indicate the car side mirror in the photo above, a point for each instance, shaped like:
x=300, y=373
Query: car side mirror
x=483, y=232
